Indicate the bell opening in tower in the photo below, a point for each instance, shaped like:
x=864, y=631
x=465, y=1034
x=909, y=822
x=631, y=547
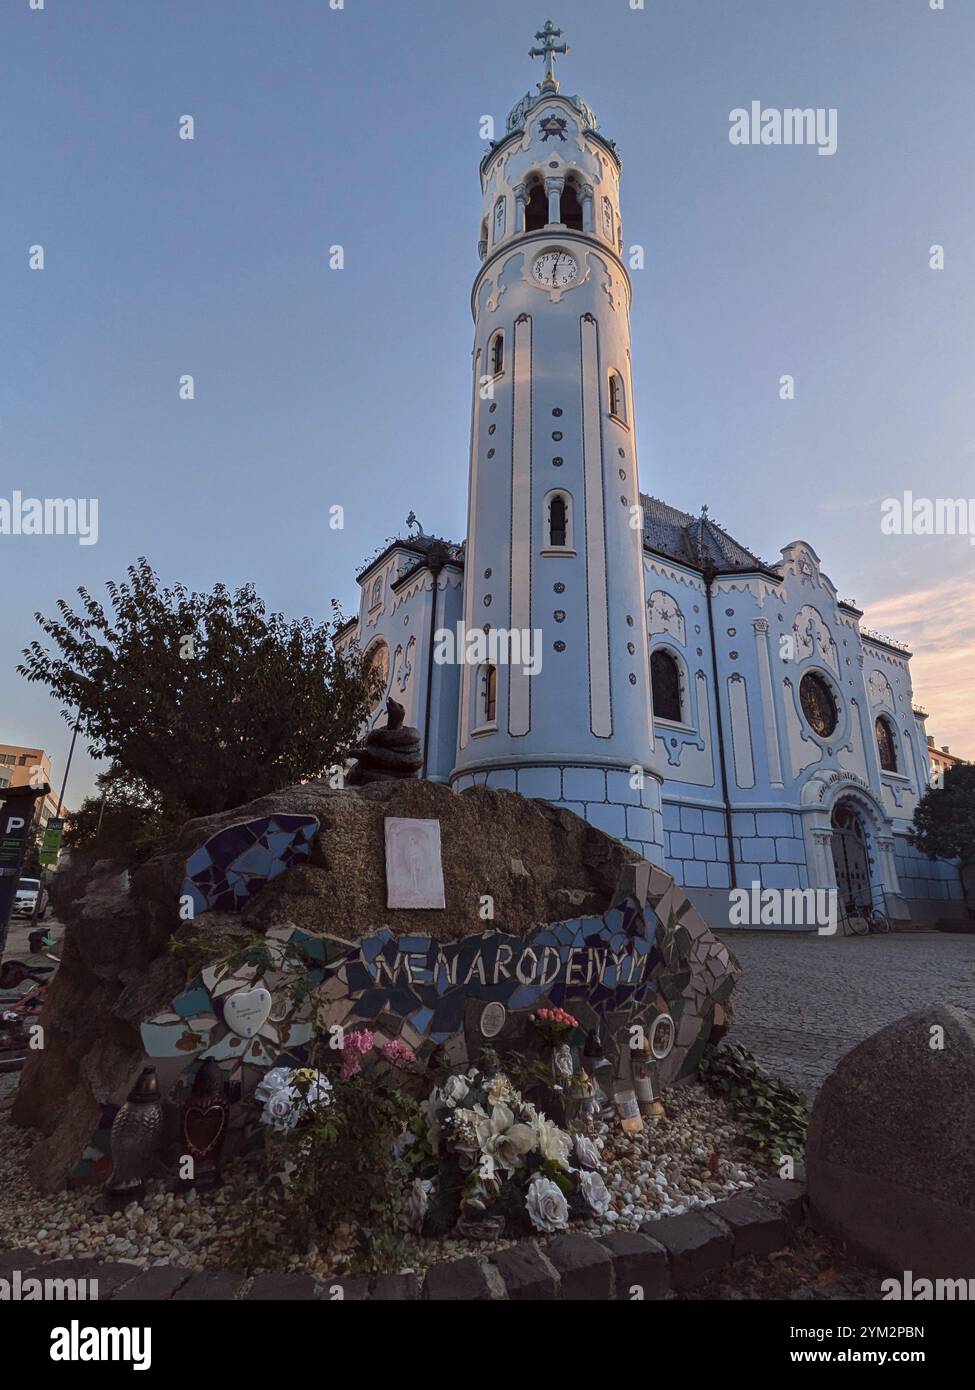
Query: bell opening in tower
x=571, y=208
x=536, y=209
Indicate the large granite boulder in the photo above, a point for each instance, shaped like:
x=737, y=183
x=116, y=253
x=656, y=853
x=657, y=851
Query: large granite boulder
x=122, y=995
x=890, y=1159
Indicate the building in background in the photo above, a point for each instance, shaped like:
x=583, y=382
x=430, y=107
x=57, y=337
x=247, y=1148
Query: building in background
x=22, y=767
x=727, y=717
x=941, y=761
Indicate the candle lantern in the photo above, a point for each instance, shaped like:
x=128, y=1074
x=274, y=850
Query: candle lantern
x=595, y=1061
x=134, y=1140
x=204, y=1126
x=582, y=1110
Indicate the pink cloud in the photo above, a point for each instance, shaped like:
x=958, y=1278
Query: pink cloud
x=938, y=624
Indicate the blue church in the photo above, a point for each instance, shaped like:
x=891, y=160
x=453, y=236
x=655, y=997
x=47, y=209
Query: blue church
x=727, y=717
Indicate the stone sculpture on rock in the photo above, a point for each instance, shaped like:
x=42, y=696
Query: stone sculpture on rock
x=388, y=753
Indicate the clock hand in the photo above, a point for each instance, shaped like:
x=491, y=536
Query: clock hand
x=555, y=268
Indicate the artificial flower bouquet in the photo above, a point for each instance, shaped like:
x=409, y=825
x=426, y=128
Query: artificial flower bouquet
x=490, y=1161
x=554, y=1025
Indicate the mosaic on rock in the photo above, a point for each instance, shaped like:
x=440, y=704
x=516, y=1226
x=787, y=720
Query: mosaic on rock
x=649, y=955
x=233, y=865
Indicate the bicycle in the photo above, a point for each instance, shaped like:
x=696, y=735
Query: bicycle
x=863, y=920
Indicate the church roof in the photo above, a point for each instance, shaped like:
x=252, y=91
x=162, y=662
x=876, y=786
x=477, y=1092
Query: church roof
x=419, y=545
x=666, y=530
x=692, y=540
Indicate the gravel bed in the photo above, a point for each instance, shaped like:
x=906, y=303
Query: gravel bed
x=693, y=1156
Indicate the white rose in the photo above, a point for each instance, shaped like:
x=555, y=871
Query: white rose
x=274, y=1080
x=280, y=1111
x=546, y=1205
x=587, y=1153
x=595, y=1191
x=454, y=1090
x=553, y=1143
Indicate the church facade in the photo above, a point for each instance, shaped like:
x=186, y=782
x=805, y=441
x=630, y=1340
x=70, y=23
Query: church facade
x=595, y=647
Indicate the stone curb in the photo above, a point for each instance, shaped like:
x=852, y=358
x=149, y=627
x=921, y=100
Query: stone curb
x=659, y=1261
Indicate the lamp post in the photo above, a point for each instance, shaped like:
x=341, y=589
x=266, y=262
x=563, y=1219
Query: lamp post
x=67, y=767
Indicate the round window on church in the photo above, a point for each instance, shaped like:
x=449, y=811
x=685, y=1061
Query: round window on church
x=818, y=704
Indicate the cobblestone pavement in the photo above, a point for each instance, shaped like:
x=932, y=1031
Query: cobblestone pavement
x=804, y=1000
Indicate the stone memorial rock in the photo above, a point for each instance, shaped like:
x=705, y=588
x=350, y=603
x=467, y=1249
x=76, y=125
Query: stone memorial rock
x=578, y=919
x=388, y=753
x=890, y=1157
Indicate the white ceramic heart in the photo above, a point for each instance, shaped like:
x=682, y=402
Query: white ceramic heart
x=247, y=1011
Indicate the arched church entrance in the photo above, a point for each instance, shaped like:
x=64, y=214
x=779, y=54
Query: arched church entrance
x=851, y=856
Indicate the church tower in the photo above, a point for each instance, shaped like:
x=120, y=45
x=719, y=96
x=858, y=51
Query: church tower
x=554, y=537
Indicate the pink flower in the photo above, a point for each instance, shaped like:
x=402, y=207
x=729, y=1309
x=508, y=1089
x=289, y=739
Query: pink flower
x=354, y=1047
x=399, y=1053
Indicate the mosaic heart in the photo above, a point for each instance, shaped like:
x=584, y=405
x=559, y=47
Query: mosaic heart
x=247, y=1012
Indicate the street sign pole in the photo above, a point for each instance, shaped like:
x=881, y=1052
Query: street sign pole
x=16, y=822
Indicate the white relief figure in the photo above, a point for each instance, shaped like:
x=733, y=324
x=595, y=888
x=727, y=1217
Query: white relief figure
x=414, y=859
x=414, y=872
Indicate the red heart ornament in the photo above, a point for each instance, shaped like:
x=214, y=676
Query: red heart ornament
x=203, y=1127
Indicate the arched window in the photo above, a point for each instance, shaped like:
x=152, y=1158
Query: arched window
x=558, y=518
x=488, y=694
x=617, y=398
x=377, y=591
x=379, y=671
x=536, y=209
x=608, y=221
x=482, y=241
x=557, y=522
x=665, y=685
x=571, y=204
x=496, y=353
x=886, y=744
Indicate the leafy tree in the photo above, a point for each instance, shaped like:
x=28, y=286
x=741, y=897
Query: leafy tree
x=944, y=821
x=124, y=822
x=203, y=700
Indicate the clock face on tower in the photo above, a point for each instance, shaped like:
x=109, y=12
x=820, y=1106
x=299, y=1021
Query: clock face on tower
x=554, y=269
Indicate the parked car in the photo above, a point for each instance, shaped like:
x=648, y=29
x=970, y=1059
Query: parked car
x=26, y=897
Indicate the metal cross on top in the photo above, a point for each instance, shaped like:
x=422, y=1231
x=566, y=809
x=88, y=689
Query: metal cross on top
x=549, y=48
